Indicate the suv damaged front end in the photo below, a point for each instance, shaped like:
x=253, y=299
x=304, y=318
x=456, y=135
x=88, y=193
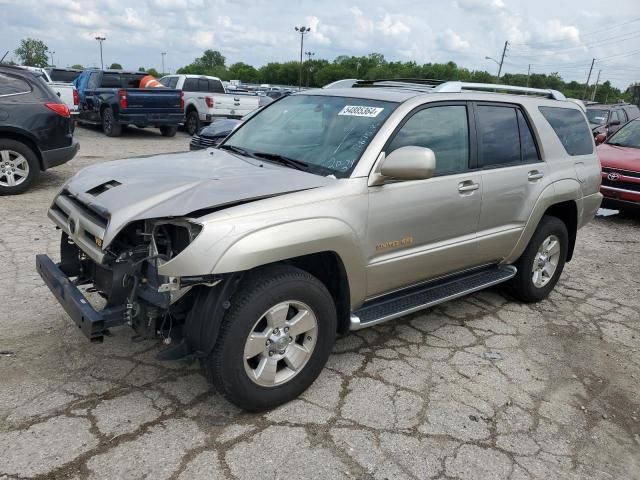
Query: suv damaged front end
x=124, y=274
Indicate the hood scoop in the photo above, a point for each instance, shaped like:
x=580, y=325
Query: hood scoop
x=95, y=191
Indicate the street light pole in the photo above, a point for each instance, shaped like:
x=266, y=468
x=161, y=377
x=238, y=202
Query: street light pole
x=302, y=30
x=163, y=54
x=309, y=55
x=100, y=40
x=52, y=52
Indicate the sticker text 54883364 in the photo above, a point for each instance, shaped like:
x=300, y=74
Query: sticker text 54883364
x=360, y=111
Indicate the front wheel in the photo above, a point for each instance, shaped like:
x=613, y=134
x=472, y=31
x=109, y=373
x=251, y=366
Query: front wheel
x=542, y=262
x=274, y=340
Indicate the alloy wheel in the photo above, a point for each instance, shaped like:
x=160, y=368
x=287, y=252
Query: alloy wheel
x=280, y=343
x=545, y=261
x=14, y=168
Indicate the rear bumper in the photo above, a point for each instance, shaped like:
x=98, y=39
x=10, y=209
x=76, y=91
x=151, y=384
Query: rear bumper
x=91, y=322
x=58, y=156
x=151, y=119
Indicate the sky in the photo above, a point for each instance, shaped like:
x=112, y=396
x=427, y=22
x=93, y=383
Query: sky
x=552, y=35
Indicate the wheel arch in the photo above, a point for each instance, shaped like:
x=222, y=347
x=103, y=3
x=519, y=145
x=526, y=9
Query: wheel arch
x=25, y=138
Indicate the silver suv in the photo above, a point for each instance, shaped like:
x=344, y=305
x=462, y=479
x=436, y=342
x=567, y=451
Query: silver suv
x=327, y=211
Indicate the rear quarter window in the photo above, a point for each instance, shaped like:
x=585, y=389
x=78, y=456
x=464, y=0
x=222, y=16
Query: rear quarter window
x=571, y=128
x=10, y=85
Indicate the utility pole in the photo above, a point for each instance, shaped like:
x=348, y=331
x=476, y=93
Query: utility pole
x=584, y=95
x=52, y=52
x=100, y=40
x=528, y=74
x=163, y=54
x=504, y=52
x=302, y=30
x=595, y=88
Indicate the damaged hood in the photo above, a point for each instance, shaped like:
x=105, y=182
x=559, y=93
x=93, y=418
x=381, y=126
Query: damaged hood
x=176, y=185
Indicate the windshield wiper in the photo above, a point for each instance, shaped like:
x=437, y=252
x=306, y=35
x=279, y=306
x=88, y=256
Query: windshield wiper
x=238, y=150
x=289, y=162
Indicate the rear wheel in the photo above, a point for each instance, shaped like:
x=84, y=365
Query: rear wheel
x=542, y=262
x=275, y=339
x=110, y=126
x=19, y=167
x=192, y=123
x=168, y=130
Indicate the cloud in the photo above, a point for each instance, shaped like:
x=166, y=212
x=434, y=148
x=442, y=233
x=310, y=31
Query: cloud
x=453, y=42
x=554, y=30
x=392, y=25
x=480, y=6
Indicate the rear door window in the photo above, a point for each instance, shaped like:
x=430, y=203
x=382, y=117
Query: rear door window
x=571, y=128
x=498, y=135
x=10, y=85
x=529, y=150
x=203, y=85
x=190, y=85
x=215, y=86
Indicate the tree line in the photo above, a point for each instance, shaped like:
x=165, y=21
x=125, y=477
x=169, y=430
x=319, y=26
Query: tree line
x=319, y=72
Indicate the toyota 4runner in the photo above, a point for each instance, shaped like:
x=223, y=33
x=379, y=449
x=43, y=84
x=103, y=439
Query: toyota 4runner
x=325, y=212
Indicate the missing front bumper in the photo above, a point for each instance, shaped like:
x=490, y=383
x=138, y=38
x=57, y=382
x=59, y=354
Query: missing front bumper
x=91, y=322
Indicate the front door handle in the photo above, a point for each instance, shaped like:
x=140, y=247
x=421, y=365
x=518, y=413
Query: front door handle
x=535, y=175
x=468, y=186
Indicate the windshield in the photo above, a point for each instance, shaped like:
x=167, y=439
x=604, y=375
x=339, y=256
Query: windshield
x=597, y=116
x=627, y=136
x=327, y=133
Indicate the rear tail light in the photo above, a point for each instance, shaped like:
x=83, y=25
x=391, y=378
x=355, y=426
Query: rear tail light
x=60, y=108
x=122, y=95
x=76, y=97
x=181, y=100
x=209, y=101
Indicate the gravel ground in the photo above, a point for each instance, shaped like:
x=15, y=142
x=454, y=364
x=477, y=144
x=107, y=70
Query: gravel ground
x=479, y=388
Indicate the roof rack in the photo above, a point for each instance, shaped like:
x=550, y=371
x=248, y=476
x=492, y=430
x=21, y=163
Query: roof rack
x=413, y=84
x=457, y=87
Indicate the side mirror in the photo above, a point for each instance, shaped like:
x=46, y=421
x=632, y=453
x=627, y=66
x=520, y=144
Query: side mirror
x=614, y=122
x=600, y=138
x=409, y=163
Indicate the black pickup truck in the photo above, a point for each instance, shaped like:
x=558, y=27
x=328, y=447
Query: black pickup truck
x=111, y=98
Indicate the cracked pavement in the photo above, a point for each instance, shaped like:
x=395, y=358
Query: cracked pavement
x=478, y=388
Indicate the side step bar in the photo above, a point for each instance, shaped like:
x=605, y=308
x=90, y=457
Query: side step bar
x=427, y=295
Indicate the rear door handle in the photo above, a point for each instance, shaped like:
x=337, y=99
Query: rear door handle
x=468, y=186
x=535, y=175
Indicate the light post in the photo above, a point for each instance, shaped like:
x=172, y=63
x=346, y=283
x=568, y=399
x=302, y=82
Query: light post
x=52, y=52
x=163, y=54
x=100, y=40
x=302, y=30
x=310, y=69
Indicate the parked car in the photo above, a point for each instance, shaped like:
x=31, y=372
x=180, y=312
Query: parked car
x=620, y=159
x=66, y=91
x=212, y=134
x=63, y=75
x=35, y=129
x=607, y=119
x=112, y=99
x=324, y=212
x=206, y=99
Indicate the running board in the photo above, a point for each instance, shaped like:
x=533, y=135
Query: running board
x=427, y=295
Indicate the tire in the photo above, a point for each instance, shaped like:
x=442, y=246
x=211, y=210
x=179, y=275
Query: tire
x=168, y=130
x=19, y=167
x=525, y=286
x=291, y=290
x=192, y=122
x=110, y=126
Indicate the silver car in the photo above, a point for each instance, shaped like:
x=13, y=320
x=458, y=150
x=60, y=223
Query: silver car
x=326, y=211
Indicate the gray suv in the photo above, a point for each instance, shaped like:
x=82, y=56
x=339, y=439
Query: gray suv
x=326, y=211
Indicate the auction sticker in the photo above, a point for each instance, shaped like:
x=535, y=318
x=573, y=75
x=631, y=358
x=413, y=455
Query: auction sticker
x=360, y=111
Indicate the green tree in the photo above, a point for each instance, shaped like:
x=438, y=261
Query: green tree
x=115, y=66
x=211, y=59
x=33, y=52
x=242, y=71
x=153, y=71
x=77, y=66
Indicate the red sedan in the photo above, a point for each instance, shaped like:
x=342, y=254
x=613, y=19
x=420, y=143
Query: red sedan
x=620, y=159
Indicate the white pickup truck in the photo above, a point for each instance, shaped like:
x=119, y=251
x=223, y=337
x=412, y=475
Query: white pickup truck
x=206, y=99
x=66, y=91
